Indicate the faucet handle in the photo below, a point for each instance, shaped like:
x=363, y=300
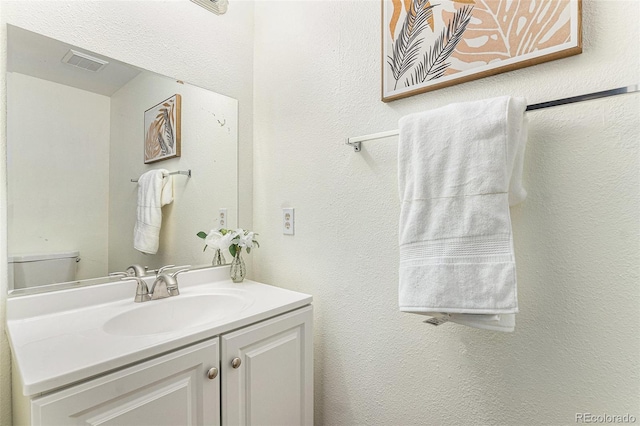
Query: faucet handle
x=136, y=270
x=142, y=291
x=163, y=268
x=186, y=268
x=118, y=274
x=172, y=282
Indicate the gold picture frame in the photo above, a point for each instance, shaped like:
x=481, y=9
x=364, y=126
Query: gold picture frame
x=428, y=45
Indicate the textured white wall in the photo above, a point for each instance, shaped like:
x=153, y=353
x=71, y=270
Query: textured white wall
x=53, y=207
x=208, y=149
x=317, y=81
x=175, y=38
x=577, y=340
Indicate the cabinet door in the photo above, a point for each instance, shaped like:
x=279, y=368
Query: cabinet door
x=273, y=383
x=169, y=390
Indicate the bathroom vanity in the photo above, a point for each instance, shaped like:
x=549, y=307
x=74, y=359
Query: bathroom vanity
x=218, y=353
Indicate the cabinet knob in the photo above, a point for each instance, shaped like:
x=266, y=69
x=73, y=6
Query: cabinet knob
x=212, y=373
x=236, y=362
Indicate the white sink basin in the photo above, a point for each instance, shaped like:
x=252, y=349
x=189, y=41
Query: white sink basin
x=175, y=313
x=62, y=337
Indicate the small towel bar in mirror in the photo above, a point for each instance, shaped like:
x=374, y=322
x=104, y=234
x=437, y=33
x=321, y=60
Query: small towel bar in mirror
x=187, y=173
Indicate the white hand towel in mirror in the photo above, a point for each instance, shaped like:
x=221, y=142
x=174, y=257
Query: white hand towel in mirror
x=155, y=189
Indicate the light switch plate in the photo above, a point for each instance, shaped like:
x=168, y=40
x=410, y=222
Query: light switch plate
x=288, y=221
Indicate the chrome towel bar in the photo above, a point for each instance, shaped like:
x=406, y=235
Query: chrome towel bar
x=187, y=173
x=356, y=142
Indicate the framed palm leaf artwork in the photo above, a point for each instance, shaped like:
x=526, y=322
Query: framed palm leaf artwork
x=162, y=130
x=430, y=44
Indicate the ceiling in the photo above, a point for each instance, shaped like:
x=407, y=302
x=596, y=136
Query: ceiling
x=41, y=57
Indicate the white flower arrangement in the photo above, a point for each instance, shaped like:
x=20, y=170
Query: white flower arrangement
x=227, y=239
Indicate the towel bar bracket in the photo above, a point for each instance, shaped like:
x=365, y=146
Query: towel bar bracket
x=357, y=146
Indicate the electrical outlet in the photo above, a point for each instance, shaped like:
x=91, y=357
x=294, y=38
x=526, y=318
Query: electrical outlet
x=222, y=218
x=287, y=221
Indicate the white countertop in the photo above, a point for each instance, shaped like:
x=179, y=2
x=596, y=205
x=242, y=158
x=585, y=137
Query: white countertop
x=58, y=338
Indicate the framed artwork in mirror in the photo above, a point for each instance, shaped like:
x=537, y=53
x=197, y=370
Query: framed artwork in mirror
x=162, y=130
x=427, y=45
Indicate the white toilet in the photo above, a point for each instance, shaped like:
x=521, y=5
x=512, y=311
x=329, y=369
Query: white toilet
x=33, y=270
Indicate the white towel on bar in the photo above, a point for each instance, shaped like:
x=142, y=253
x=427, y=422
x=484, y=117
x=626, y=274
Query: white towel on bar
x=155, y=189
x=459, y=170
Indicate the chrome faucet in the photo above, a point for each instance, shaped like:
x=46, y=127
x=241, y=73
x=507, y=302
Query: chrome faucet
x=166, y=285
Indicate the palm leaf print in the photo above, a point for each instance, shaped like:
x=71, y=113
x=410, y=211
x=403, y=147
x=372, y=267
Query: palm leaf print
x=406, y=47
x=504, y=29
x=434, y=62
x=397, y=8
x=430, y=20
x=164, y=149
x=160, y=140
x=152, y=148
x=168, y=125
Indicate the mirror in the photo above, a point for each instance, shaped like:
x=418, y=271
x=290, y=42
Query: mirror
x=75, y=142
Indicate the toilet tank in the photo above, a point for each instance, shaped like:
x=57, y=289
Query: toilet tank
x=33, y=270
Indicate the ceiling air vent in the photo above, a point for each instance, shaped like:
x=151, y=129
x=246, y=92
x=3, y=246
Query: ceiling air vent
x=84, y=61
x=219, y=7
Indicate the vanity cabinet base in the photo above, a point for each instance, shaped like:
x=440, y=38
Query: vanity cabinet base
x=257, y=375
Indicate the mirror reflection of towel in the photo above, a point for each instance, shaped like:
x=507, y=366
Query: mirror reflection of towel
x=155, y=189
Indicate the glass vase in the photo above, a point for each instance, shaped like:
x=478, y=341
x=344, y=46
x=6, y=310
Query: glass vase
x=218, y=258
x=238, y=269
